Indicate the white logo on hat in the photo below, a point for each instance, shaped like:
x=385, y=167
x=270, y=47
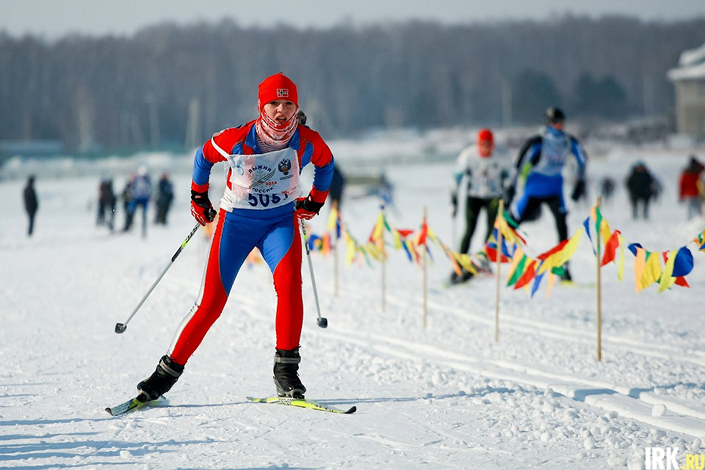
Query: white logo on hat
x=282, y=93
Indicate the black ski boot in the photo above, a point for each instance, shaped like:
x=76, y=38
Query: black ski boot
x=161, y=381
x=286, y=377
x=456, y=278
x=566, y=274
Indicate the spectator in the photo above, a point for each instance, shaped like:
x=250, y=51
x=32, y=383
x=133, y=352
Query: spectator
x=141, y=193
x=607, y=186
x=690, y=187
x=31, y=203
x=642, y=186
x=165, y=195
x=106, y=204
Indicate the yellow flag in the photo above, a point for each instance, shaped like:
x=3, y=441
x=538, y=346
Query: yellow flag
x=605, y=232
x=551, y=280
x=652, y=270
x=620, y=266
x=397, y=239
x=374, y=251
x=667, y=279
x=332, y=218
x=379, y=228
x=639, y=265
x=465, y=261
x=350, y=255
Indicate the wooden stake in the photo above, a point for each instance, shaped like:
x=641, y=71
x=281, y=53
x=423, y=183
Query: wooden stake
x=599, y=290
x=335, y=251
x=425, y=277
x=384, y=266
x=500, y=217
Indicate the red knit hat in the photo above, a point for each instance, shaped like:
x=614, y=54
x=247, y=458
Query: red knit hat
x=277, y=87
x=485, y=135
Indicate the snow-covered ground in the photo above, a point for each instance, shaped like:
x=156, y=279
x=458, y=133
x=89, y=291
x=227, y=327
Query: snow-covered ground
x=446, y=396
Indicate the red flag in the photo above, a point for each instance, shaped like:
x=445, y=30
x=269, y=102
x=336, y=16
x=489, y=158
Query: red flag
x=553, y=250
x=680, y=281
x=421, y=240
x=491, y=253
x=611, y=248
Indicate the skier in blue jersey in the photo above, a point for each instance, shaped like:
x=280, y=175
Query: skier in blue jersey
x=541, y=159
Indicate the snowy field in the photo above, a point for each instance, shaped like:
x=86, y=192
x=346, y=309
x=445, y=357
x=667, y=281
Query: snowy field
x=446, y=396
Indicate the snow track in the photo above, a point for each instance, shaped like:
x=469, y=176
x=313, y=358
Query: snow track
x=623, y=400
x=444, y=397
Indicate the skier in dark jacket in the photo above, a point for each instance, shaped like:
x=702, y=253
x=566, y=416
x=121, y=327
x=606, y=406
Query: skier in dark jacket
x=31, y=204
x=641, y=186
x=107, y=202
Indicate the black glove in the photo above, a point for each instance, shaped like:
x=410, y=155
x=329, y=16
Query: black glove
x=307, y=208
x=453, y=205
x=578, y=190
x=201, y=207
x=509, y=195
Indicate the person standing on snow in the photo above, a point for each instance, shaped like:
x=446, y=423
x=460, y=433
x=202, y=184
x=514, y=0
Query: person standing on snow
x=641, y=186
x=541, y=159
x=165, y=196
x=31, y=203
x=483, y=172
x=107, y=202
x=260, y=208
x=690, y=187
x=141, y=194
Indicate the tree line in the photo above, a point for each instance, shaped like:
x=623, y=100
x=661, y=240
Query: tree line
x=167, y=82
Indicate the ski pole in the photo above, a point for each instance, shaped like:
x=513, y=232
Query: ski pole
x=121, y=327
x=320, y=321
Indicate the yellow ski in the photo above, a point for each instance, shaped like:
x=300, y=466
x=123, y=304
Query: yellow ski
x=302, y=403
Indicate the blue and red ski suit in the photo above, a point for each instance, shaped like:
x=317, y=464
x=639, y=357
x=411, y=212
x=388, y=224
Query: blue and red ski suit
x=274, y=231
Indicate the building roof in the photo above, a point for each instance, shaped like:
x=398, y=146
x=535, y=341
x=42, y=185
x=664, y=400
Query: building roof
x=691, y=65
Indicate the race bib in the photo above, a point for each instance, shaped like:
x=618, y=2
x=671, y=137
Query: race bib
x=263, y=181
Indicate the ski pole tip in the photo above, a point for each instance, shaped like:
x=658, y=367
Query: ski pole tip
x=120, y=328
x=322, y=322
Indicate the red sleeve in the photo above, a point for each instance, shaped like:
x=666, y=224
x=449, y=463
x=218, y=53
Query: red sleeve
x=225, y=140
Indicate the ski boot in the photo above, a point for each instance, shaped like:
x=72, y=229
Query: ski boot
x=161, y=381
x=456, y=278
x=485, y=265
x=566, y=274
x=286, y=377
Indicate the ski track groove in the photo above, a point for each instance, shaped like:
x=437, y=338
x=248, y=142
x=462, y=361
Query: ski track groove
x=608, y=397
x=568, y=334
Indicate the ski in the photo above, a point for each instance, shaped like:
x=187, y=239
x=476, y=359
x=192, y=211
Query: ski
x=303, y=403
x=577, y=285
x=133, y=405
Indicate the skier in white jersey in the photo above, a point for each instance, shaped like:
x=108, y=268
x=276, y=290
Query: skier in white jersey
x=482, y=171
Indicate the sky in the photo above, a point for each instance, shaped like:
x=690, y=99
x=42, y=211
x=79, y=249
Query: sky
x=53, y=19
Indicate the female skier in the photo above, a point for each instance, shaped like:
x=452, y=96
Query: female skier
x=261, y=208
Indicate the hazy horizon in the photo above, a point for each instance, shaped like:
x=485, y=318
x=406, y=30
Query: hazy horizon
x=52, y=20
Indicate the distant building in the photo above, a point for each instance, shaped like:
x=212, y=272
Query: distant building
x=689, y=80
x=31, y=148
